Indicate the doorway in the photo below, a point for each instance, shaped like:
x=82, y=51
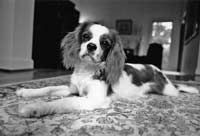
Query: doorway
x=161, y=33
x=52, y=21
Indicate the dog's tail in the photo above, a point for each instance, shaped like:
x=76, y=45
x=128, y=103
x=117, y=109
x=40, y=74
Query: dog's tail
x=172, y=89
x=186, y=88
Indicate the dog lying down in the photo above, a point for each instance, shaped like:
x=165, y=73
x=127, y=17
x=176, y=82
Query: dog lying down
x=100, y=75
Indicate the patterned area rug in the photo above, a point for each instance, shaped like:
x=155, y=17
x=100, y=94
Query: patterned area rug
x=152, y=116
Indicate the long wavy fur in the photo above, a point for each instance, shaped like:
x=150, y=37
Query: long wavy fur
x=115, y=61
x=70, y=48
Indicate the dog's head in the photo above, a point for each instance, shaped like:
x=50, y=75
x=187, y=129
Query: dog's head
x=94, y=44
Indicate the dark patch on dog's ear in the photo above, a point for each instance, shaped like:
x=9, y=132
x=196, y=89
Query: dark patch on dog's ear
x=109, y=90
x=70, y=50
x=115, y=60
x=70, y=46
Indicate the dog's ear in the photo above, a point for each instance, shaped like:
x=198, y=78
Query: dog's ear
x=70, y=48
x=115, y=60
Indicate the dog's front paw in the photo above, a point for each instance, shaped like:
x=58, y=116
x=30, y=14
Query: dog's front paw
x=30, y=110
x=23, y=92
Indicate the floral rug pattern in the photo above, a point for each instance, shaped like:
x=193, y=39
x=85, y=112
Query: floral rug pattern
x=152, y=116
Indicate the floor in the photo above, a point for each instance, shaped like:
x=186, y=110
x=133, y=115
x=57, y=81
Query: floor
x=9, y=77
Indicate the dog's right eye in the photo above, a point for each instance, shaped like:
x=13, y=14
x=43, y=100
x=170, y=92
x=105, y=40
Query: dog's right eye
x=86, y=37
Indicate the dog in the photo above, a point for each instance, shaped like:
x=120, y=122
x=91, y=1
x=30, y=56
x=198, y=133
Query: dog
x=100, y=75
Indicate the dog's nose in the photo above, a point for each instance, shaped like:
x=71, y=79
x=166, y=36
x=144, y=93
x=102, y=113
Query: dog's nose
x=91, y=47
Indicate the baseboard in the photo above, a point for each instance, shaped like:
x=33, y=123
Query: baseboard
x=16, y=64
x=197, y=72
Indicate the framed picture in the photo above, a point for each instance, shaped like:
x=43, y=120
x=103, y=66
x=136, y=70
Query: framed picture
x=124, y=26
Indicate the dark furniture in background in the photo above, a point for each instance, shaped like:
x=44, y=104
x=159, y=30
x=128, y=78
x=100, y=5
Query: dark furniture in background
x=53, y=19
x=154, y=55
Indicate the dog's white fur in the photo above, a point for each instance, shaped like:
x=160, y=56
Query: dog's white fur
x=93, y=93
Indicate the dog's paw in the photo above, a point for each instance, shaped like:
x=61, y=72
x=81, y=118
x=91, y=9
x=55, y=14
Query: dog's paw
x=22, y=92
x=29, y=111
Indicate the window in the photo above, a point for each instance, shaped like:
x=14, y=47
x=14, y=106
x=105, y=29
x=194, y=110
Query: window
x=161, y=33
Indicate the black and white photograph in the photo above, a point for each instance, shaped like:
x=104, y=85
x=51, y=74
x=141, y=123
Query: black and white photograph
x=99, y=67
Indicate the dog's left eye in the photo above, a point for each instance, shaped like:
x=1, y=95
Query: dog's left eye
x=105, y=43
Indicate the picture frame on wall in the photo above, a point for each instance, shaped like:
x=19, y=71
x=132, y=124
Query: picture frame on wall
x=124, y=26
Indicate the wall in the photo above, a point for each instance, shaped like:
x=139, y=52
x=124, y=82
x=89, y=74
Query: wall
x=141, y=12
x=190, y=56
x=6, y=29
x=198, y=63
x=17, y=23
x=16, y=34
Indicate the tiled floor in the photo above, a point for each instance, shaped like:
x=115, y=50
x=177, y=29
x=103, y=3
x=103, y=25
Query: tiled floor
x=8, y=77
